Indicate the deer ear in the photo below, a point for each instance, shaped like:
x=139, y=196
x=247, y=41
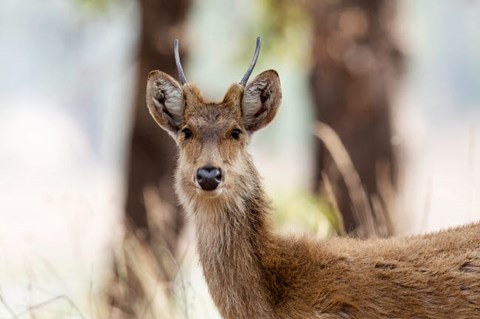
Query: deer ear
x=165, y=101
x=261, y=100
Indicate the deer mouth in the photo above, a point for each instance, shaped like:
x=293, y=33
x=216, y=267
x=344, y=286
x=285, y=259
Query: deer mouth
x=210, y=193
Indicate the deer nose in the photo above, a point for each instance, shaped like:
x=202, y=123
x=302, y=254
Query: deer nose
x=209, y=177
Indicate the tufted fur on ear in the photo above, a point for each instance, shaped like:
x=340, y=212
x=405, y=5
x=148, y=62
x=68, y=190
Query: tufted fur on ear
x=165, y=101
x=261, y=100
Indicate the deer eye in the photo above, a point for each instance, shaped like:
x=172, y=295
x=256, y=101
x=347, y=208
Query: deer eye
x=187, y=133
x=235, y=133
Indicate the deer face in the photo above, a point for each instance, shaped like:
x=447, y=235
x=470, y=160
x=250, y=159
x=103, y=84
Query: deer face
x=212, y=138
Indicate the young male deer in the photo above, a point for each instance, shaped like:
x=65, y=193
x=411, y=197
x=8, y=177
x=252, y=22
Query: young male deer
x=252, y=272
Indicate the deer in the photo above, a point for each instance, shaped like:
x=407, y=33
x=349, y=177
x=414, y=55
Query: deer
x=253, y=272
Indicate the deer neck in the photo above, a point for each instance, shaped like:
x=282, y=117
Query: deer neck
x=233, y=241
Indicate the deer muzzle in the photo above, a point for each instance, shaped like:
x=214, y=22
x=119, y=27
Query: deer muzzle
x=208, y=178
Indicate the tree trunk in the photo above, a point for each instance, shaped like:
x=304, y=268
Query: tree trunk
x=144, y=258
x=152, y=151
x=355, y=65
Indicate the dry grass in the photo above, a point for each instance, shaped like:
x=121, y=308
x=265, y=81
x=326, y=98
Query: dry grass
x=369, y=213
x=145, y=270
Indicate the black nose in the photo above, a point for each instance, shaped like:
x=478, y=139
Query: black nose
x=209, y=177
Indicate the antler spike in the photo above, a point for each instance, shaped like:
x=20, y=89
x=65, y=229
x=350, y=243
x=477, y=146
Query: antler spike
x=181, y=74
x=244, y=80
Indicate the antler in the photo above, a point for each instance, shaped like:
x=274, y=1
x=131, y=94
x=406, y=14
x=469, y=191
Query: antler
x=244, y=80
x=181, y=74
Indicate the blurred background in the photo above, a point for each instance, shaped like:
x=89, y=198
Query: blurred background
x=378, y=135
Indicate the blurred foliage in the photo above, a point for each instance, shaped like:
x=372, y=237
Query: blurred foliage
x=286, y=24
x=301, y=211
x=98, y=6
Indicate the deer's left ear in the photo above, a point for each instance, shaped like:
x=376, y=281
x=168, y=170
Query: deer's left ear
x=261, y=100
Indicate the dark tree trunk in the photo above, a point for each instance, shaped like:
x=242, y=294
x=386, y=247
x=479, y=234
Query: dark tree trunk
x=355, y=65
x=153, y=220
x=152, y=151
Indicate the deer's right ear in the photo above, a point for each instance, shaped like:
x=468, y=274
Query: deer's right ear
x=165, y=101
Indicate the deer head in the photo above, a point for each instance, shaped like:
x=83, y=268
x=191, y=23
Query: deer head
x=213, y=163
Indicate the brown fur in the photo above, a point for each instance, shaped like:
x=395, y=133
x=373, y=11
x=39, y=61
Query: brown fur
x=254, y=273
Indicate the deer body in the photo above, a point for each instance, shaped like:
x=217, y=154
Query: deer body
x=254, y=273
